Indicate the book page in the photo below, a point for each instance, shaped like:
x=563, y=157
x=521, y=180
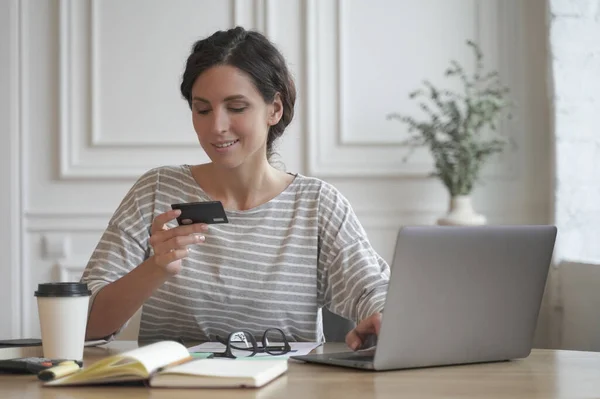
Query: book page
x=220, y=373
x=227, y=368
x=135, y=364
x=158, y=354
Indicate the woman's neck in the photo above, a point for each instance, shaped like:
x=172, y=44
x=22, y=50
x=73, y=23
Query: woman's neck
x=241, y=188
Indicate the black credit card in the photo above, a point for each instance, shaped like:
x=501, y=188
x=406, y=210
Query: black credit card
x=208, y=212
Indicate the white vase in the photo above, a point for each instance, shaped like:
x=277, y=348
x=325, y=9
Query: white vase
x=461, y=213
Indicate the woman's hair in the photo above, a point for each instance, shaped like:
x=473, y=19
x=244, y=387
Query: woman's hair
x=254, y=54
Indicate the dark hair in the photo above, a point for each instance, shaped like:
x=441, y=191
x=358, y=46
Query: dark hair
x=254, y=54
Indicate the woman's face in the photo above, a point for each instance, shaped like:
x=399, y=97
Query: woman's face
x=231, y=118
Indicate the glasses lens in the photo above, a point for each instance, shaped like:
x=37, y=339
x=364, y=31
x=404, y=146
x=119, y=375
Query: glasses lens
x=275, y=342
x=241, y=344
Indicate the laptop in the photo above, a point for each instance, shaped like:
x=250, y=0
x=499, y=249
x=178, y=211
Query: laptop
x=458, y=295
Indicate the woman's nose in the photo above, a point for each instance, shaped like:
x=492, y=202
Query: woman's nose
x=220, y=121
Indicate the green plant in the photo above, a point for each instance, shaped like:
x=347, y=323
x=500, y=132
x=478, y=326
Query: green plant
x=454, y=131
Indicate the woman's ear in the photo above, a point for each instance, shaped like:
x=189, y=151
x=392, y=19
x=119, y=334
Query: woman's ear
x=275, y=110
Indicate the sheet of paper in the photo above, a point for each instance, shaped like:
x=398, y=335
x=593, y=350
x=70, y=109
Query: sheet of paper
x=298, y=348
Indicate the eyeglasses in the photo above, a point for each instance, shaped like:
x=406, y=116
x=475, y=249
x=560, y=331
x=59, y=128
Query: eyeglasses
x=243, y=344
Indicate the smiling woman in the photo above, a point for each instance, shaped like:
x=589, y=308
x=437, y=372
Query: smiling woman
x=255, y=65
x=293, y=244
x=232, y=119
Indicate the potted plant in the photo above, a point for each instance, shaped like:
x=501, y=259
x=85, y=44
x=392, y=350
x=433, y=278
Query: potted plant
x=455, y=132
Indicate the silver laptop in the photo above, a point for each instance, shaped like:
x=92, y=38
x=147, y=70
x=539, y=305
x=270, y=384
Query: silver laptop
x=458, y=295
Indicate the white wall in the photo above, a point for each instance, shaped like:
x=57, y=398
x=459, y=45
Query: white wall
x=95, y=118
x=574, y=28
x=575, y=63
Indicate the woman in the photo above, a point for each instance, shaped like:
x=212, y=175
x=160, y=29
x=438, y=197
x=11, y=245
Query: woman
x=292, y=244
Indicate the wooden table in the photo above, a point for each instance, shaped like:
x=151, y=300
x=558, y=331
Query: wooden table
x=544, y=374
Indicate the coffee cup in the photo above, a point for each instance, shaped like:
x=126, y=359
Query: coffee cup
x=63, y=310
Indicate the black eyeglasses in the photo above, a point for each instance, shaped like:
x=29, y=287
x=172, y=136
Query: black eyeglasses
x=243, y=344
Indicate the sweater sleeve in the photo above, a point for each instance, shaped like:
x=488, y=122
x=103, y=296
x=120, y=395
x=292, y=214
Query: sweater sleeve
x=124, y=243
x=353, y=278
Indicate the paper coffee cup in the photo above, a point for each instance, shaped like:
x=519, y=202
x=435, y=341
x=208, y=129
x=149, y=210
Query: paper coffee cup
x=63, y=311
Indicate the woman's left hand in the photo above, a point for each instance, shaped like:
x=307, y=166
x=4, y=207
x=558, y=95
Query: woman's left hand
x=357, y=337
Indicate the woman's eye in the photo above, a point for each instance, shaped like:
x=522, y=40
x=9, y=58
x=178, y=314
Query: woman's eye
x=202, y=111
x=237, y=109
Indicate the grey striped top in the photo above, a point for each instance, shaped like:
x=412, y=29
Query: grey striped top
x=275, y=265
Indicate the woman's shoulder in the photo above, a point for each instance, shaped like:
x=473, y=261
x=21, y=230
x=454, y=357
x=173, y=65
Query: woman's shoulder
x=167, y=180
x=166, y=170
x=155, y=176
x=321, y=189
x=311, y=183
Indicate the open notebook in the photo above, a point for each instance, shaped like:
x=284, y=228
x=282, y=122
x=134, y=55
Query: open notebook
x=169, y=364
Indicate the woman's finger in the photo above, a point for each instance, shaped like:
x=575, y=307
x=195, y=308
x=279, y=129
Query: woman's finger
x=371, y=325
x=169, y=257
x=178, y=242
x=166, y=235
x=353, y=340
x=159, y=222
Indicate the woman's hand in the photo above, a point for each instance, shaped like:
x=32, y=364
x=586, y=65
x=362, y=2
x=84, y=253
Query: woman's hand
x=171, y=245
x=357, y=337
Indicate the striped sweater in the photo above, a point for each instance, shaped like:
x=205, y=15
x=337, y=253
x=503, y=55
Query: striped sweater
x=275, y=265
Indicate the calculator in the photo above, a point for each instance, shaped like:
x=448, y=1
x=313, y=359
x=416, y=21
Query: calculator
x=30, y=365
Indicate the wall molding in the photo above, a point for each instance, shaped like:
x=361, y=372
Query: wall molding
x=56, y=245
x=332, y=153
x=14, y=278
x=53, y=221
x=82, y=143
x=70, y=269
x=252, y=15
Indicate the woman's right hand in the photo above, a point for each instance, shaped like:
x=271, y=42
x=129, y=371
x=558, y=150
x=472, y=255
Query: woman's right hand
x=171, y=245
